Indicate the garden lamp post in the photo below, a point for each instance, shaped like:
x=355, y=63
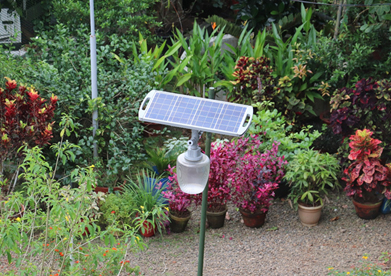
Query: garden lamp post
x=197, y=114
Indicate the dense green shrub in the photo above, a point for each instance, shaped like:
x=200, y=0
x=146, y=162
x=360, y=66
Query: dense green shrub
x=350, y=57
x=259, y=14
x=65, y=61
x=118, y=205
x=272, y=127
x=125, y=18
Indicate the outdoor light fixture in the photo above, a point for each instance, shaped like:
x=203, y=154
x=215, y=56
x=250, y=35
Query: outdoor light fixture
x=193, y=167
x=197, y=114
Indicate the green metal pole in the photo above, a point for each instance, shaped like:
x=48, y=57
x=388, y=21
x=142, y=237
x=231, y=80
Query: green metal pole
x=204, y=200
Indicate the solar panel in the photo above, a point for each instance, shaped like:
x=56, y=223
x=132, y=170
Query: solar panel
x=195, y=113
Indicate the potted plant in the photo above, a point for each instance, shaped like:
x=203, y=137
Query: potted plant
x=219, y=190
x=309, y=174
x=159, y=158
x=179, y=203
x=366, y=178
x=254, y=178
x=147, y=203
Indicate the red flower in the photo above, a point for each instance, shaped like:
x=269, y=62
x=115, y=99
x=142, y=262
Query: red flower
x=113, y=212
x=61, y=254
x=114, y=248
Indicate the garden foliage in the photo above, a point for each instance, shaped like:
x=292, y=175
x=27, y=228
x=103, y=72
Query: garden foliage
x=256, y=174
x=368, y=105
x=366, y=177
x=26, y=119
x=59, y=232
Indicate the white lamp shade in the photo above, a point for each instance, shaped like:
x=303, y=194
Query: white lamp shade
x=192, y=175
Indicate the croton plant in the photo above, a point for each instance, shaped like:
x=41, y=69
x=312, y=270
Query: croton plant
x=253, y=80
x=366, y=177
x=368, y=105
x=25, y=119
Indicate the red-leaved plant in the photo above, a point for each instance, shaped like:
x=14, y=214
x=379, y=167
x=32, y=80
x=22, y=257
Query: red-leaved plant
x=25, y=118
x=256, y=175
x=366, y=176
x=222, y=163
x=178, y=201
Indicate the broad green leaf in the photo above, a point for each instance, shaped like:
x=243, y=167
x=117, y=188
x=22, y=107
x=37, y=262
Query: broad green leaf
x=157, y=64
x=183, y=79
x=173, y=49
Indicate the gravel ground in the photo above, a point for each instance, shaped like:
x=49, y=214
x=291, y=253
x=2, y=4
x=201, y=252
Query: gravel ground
x=292, y=249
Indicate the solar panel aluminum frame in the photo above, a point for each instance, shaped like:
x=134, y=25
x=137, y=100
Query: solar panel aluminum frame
x=148, y=103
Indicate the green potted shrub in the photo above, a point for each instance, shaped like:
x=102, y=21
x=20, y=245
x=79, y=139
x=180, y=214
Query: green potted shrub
x=271, y=126
x=310, y=173
x=147, y=202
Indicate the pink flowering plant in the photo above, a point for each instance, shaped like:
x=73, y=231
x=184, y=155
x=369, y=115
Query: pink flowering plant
x=178, y=201
x=256, y=175
x=222, y=162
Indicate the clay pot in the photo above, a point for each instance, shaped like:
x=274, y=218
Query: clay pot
x=367, y=210
x=216, y=219
x=105, y=190
x=253, y=219
x=178, y=224
x=309, y=216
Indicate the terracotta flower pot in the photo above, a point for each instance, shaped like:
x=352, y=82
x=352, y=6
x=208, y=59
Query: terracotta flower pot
x=309, y=216
x=105, y=190
x=216, y=219
x=367, y=210
x=253, y=219
x=178, y=224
